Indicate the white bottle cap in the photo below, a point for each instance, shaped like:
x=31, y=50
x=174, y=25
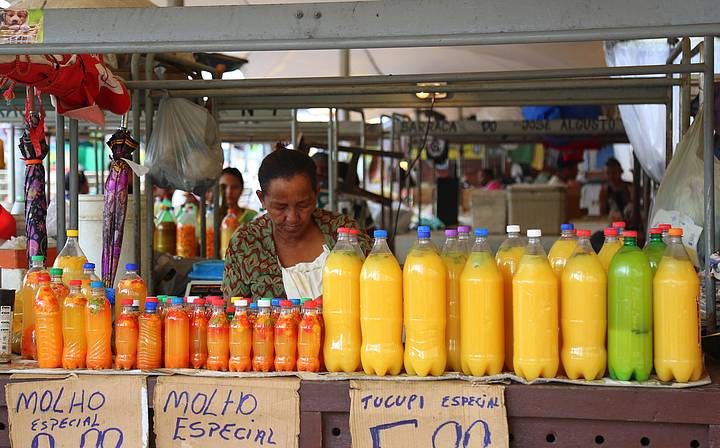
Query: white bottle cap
x=534, y=233
x=136, y=302
x=513, y=229
x=241, y=303
x=264, y=303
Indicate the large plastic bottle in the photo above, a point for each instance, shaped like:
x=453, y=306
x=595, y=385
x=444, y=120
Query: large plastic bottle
x=464, y=241
x=71, y=258
x=535, y=313
x=28, y=293
x=481, y=312
x=286, y=339
x=583, y=320
x=240, y=339
x=165, y=235
x=309, y=339
x=150, y=336
x=355, y=243
x=630, y=314
x=218, y=337
x=341, y=298
x=425, y=304
x=381, y=310
x=48, y=326
x=177, y=336
x=59, y=289
x=131, y=286
x=74, y=338
x=186, y=233
x=98, y=325
x=508, y=259
x=227, y=227
x=562, y=249
x=126, y=337
x=454, y=257
x=676, y=289
x=89, y=277
x=263, y=339
x=609, y=248
x=198, y=334
x=655, y=248
x=209, y=231
x=665, y=229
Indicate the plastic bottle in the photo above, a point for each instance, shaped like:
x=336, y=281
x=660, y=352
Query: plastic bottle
x=424, y=308
x=454, y=257
x=186, y=238
x=286, y=339
x=71, y=258
x=177, y=336
x=88, y=278
x=464, y=241
x=341, y=295
x=562, y=249
x=481, y=312
x=240, y=339
x=74, y=338
x=198, y=335
x=630, y=324
x=218, y=338
x=150, y=336
x=263, y=339
x=508, y=259
x=126, y=337
x=678, y=355
x=381, y=310
x=230, y=312
x=252, y=313
x=227, y=227
x=136, y=307
x=59, y=289
x=297, y=309
x=29, y=291
x=157, y=208
x=309, y=339
x=654, y=249
x=665, y=229
x=131, y=286
x=48, y=326
x=583, y=313
x=609, y=248
x=165, y=232
x=209, y=231
x=620, y=226
x=353, y=238
x=98, y=325
x=275, y=305
x=535, y=314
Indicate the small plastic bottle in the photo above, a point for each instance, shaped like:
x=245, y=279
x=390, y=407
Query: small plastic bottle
x=218, y=338
x=285, y=339
x=186, y=238
x=74, y=338
x=263, y=339
x=28, y=293
x=463, y=233
x=98, y=321
x=126, y=337
x=131, y=286
x=177, y=336
x=89, y=277
x=198, y=335
x=150, y=349
x=48, y=326
x=309, y=339
x=240, y=339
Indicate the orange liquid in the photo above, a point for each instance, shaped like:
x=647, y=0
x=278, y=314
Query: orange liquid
x=240, y=343
x=199, y=339
x=177, y=339
x=227, y=228
x=126, y=340
x=209, y=238
x=218, y=341
x=61, y=292
x=186, y=241
x=49, y=329
x=98, y=321
x=133, y=289
x=286, y=338
x=28, y=293
x=309, y=343
x=263, y=344
x=149, y=342
x=75, y=342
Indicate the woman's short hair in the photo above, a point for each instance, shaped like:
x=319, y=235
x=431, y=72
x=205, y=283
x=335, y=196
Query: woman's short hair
x=284, y=164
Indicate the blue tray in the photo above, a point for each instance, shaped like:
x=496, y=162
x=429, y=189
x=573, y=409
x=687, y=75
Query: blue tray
x=207, y=270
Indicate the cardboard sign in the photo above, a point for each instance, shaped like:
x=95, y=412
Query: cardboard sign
x=81, y=411
x=226, y=412
x=427, y=414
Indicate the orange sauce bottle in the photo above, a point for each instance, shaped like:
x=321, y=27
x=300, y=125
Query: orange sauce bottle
x=218, y=338
x=98, y=321
x=48, y=328
x=286, y=338
x=177, y=336
x=74, y=339
x=126, y=336
x=198, y=334
x=150, y=337
x=263, y=339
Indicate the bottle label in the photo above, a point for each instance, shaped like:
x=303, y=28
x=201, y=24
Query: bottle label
x=6, y=317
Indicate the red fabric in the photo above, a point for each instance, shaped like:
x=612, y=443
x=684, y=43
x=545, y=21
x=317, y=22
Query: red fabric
x=7, y=224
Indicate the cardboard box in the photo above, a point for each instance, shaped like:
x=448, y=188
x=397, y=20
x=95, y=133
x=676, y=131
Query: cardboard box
x=537, y=207
x=17, y=258
x=489, y=209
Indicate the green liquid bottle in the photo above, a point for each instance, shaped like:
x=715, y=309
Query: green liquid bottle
x=630, y=323
x=654, y=249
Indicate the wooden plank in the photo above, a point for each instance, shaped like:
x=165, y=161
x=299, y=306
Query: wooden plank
x=310, y=429
x=325, y=396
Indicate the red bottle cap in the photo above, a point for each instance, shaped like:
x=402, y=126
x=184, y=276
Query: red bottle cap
x=611, y=231
x=353, y=232
x=657, y=231
x=664, y=227
x=43, y=278
x=217, y=301
x=126, y=302
x=619, y=224
x=151, y=299
x=310, y=305
x=75, y=283
x=199, y=301
x=675, y=232
x=584, y=233
x=343, y=230
x=231, y=309
x=286, y=303
x=630, y=234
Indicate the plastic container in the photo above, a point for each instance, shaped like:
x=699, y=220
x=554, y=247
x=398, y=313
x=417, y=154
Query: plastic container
x=424, y=308
x=186, y=237
x=48, y=326
x=240, y=339
x=74, y=331
x=198, y=334
x=676, y=288
x=71, y=258
x=353, y=239
x=630, y=314
x=309, y=339
x=131, y=286
x=464, y=241
x=341, y=295
x=620, y=227
x=381, y=311
x=562, y=249
x=535, y=314
x=655, y=248
x=89, y=277
x=28, y=294
x=508, y=259
x=126, y=336
x=209, y=231
x=218, y=338
x=98, y=324
x=481, y=312
x=454, y=257
x=263, y=339
x=609, y=248
x=165, y=236
x=150, y=336
x=59, y=289
x=286, y=339
x=177, y=336
x=227, y=227
x=583, y=312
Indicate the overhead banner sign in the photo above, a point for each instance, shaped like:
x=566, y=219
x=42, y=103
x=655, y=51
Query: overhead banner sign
x=385, y=414
x=87, y=411
x=226, y=412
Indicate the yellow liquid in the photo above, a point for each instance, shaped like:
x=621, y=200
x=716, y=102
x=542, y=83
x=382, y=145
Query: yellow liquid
x=676, y=289
x=607, y=252
x=584, y=317
x=559, y=254
x=535, y=319
x=341, y=311
x=381, y=315
x=508, y=261
x=72, y=267
x=424, y=312
x=482, y=319
x=454, y=265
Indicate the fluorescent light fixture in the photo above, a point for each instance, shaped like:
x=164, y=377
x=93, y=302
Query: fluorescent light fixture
x=423, y=95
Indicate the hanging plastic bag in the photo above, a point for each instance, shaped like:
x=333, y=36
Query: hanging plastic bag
x=184, y=151
x=680, y=199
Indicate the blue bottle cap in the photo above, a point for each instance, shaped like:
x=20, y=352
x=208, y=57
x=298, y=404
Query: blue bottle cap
x=253, y=305
x=97, y=285
x=131, y=267
x=295, y=301
x=110, y=294
x=275, y=302
x=481, y=232
x=566, y=227
x=380, y=234
x=177, y=300
x=150, y=306
x=89, y=266
x=423, y=228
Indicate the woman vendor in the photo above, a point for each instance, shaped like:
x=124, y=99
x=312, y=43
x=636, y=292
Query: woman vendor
x=282, y=253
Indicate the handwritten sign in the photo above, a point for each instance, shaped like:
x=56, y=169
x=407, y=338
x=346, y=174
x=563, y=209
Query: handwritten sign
x=226, y=412
x=98, y=411
x=427, y=414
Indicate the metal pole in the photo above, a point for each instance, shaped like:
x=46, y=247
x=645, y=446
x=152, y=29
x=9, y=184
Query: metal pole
x=97, y=164
x=293, y=129
x=135, y=74
x=383, y=223
x=637, y=176
x=149, y=200
x=685, y=88
x=203, y=227
x=216, y=197
x=669, y=127
x=60, y=178
x=332, y=162
x=709, y=178
x=74, y=181
x=11, y=163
